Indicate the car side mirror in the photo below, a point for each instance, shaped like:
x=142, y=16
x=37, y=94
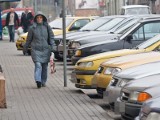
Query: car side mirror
x=129, y=38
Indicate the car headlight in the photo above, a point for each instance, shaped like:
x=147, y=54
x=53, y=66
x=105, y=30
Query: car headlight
x=112, y=71
x=75, y=45
x=139, y=96
x=153, y=116
x=78, y=53
x=85, y=64
x=122, y=83
x=111, y=82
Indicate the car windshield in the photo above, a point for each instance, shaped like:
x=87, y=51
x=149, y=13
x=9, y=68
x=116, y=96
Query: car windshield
x=57, y=24
x=95, y=24
x=148, y=42
x=112, y=23
x=126, y=27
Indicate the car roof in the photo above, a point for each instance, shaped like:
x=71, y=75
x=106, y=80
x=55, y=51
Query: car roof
x=139, y=71
x=133, y=6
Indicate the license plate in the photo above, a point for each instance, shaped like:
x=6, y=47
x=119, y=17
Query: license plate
x=119, y=107
x=73, y=77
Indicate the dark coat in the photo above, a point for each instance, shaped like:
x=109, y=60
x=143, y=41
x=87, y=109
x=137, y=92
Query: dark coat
x=41, y=39
x=16, y=19
x=26, y=19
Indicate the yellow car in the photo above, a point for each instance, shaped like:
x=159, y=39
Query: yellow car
x=86, y=67
x=104, y=73
x=72, y=24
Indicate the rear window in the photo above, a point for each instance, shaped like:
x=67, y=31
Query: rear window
x=135, y=11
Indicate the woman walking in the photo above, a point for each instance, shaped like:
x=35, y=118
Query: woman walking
x=41, y=39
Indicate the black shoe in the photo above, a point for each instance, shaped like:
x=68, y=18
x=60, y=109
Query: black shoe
x=44, y=85
x=38, y=84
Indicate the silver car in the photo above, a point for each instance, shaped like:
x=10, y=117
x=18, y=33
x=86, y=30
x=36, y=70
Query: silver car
x=135, y=93
x=150, y=110
x=119, y=80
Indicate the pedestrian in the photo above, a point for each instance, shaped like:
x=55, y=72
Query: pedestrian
x=12, y=21
x=41, y=39
x=26, y=19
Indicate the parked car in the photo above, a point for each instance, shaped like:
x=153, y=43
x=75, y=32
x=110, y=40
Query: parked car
x=135, y=10
x=150, y=110
x=19, y=12
x=72, y=24
x=120, y=79
x=112, y=24
x=138, y=33
x=86, y=67
x=102, y=77
x=135, y=93
x=104, y=74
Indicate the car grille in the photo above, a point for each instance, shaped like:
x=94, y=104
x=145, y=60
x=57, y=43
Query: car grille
x=115, y=82
x=100, y=69
x=125, y=96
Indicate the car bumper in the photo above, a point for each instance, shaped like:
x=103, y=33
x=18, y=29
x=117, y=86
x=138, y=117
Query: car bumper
x=111, y=94
x=84, y=86
x=83, y=79
x=129, y=111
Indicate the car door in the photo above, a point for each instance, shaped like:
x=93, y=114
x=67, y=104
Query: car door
x=143, y=33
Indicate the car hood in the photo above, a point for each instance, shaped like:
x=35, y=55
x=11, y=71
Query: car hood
x=141, y=84
x=57, y=31
x=140, y=71
x=132, y=60
x=110, y=54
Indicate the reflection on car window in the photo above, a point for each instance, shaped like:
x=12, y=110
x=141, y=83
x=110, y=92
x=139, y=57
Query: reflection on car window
x=95, y=24
x=147, y=31
x=81, y=23
x=58, y=23
x=126, y=26
x=110, y=24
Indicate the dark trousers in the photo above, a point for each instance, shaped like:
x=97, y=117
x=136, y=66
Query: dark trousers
x=25, y=28
x=11, y=31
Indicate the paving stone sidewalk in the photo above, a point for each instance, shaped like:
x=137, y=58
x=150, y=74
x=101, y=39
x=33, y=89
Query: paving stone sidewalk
x=54, y=102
